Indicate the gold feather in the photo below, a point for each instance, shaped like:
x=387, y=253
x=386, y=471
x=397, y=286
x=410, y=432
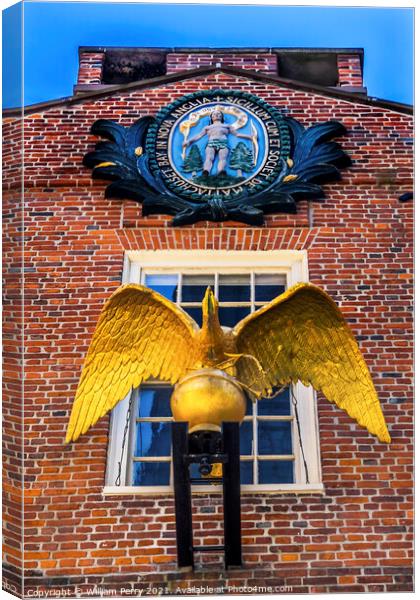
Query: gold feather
x=302, y=335
x=136, y=330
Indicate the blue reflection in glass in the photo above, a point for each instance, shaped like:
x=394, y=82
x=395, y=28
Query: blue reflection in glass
x=196, y=313
x=234, y=288
x=156, y=473
x=275, y=471
x=194, y=472
x=194, y=287
x=247, y=476
x=268, y=286
x=164, y=284
x=230, y=315
x=153, y=439
x=279, y=405
x=155, y=401
x=274, y=437
x=245, y=438
x=248, y=406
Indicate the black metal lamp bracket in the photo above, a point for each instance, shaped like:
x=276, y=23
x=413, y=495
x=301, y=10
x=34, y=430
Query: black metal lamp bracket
x=228, y=455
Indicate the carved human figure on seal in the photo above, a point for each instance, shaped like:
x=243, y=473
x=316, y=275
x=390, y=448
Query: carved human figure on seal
x=217, y=144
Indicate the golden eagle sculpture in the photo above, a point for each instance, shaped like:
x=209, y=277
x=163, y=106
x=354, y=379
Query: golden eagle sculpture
x=300, y=335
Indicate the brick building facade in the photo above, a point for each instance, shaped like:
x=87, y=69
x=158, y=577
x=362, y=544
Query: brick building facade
x=353, y=533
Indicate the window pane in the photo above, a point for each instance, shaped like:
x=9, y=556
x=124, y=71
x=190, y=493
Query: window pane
x=268, y=286
x=275, y=471
x=156, y=473
x=245, y=438
x=194, y=472
x=153, y=439
x=194, y=287
x=164, y=284
x=231, y=315
x=279, y=405
x=249, y=404
x=155, y=402
x=274, y=437
x=234, y=288
x=196, y=313
x=247, y=477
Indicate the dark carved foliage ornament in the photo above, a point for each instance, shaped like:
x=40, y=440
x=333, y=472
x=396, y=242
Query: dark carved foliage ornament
x=217, y=155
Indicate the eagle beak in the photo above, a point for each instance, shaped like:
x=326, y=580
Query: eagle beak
x=209, y=302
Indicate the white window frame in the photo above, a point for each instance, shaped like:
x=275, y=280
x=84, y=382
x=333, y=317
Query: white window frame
x=292, y=263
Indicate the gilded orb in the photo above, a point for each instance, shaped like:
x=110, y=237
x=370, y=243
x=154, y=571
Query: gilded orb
x=207, y=397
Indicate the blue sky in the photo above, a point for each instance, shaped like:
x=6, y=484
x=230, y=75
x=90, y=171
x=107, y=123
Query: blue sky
x=54, y=31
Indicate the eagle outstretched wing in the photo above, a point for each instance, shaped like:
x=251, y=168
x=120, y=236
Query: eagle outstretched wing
x=140, y=334
x=303, y=335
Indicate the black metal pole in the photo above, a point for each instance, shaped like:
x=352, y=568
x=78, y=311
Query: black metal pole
x=182, y=491
x=232, y=495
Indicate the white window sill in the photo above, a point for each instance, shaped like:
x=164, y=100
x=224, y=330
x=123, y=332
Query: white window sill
x=289, y=488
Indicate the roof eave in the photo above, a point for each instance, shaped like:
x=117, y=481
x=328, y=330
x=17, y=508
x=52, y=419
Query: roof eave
x=200, y=72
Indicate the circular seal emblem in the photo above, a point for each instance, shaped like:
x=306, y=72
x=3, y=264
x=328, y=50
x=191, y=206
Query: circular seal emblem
x=219, y=142
x=216, y=155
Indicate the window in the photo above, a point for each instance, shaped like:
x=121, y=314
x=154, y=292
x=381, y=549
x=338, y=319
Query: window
x=271, y=457
x=266, y=439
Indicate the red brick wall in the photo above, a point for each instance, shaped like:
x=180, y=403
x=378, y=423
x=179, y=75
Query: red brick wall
x=90, y=67
x=91, y=64
x=12, y=383
x=349, y=70
x=181, y=61
x=358, y=536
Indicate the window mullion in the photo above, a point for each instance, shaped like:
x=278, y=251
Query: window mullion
x=255, y=441
x=151, y=459
x=252, y=291
x=275, y=418
x=132, y=434
x=154, y=419
x=221, y=304
x=179, y=289
x=278, y=457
